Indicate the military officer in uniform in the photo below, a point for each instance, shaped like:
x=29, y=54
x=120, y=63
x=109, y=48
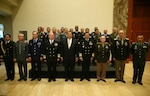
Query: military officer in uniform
x=139, y=52
x=102, y=54
x=76, y=34
x=43, y=35
x=52, y=52
x=120, y=52
x=35, y=54
x=20, y=55
x=86, y=55
x=7, y=48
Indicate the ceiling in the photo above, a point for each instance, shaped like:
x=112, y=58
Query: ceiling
x=6, y=6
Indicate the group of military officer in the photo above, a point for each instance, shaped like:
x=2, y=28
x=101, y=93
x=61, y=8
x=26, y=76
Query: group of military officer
x=70, y=47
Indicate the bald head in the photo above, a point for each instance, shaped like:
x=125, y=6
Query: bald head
x=103, y=39
x=51, y=35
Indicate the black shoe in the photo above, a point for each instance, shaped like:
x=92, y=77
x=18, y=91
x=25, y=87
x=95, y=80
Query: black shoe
x=25, y=79
x=49, y=80
x=33, y=79
x=66, y=79
x=6, y=79
x=98, y=80
x=39, y=79
x=11, y=79
x=88, y=79
x=104, y=80
x=81, y=79
x=72, y=80
x=133, y=82
x=123, y=81
x=116, y=80
x=54, y=79
x=19, y=79
x=140, y=83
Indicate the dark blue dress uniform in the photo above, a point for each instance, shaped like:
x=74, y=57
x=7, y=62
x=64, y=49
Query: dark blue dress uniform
x=52, y=52
x=36, y=50
x=139, y=52
x=86, y=52
x=8, y=58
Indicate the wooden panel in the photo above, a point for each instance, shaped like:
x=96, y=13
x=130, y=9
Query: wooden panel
x=139, y=20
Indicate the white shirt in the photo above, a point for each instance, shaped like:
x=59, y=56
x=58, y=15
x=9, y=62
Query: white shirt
x=69, y=41
x=51, y=41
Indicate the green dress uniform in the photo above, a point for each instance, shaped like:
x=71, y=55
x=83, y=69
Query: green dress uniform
x=20, y=52
x=139, y=52
x=120, y=52
x=102, y=54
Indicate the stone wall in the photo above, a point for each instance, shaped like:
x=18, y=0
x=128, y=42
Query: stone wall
x=120, y=14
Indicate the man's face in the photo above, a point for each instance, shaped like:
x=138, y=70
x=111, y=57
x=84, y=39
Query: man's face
x=51, y=36
x=7, y=37
x=69, y=35
x=140, y=38
x=97, y=31
x=87, y=36
x=54, y=30
x=20, y=37
x=35, y=35
x=105, y=31
x=82, y=30
x=76, y=28
x=102, y=39
x=115, y=30
x=121, y=34
x=48, y=29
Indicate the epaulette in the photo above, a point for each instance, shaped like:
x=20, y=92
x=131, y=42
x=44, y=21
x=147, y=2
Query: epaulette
x=134, y=43
x=115, y=39
x=127, y=38
x=146, y=43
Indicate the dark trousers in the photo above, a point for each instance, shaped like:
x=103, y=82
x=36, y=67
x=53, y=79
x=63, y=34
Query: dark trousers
x=85, y=68
x=138, y=70
x=22, y=64
x=69, y=67
x=10, y=69
x=36, y=64
x=51, y=69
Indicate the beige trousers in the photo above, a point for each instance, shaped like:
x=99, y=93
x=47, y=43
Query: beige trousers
x=120, y=67
x=101, y=70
